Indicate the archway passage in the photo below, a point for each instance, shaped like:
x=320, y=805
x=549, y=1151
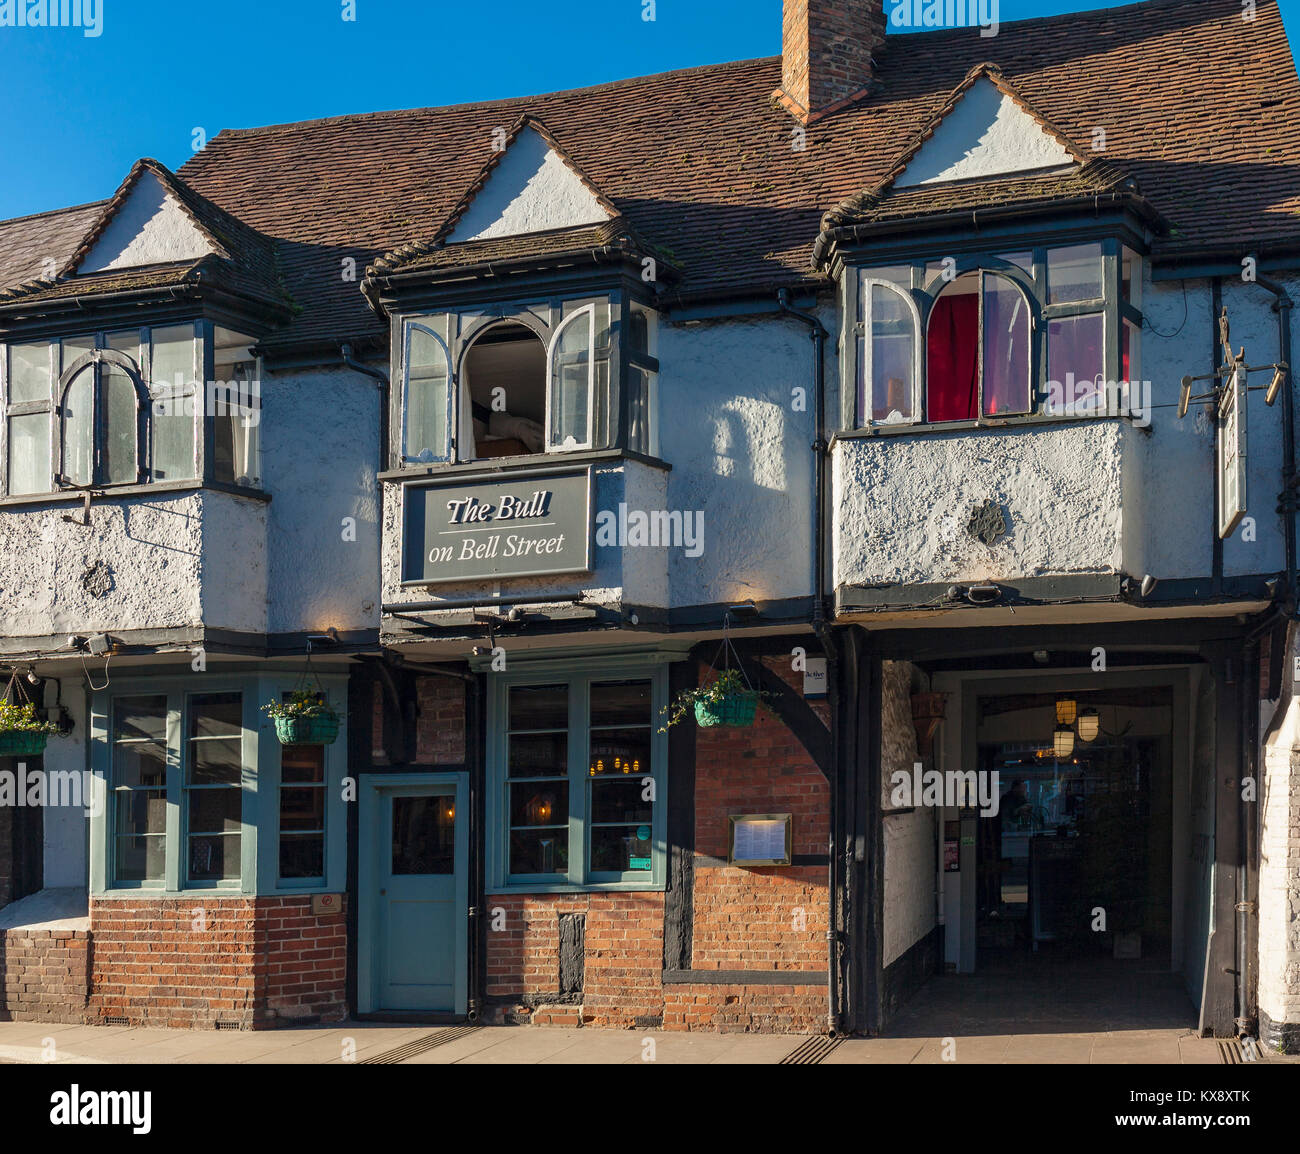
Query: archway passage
x=505, y=375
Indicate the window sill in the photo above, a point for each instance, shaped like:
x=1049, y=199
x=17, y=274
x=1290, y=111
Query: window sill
x=1029, y=420
x=132, y=492
x=594, y=887
x=534, y=461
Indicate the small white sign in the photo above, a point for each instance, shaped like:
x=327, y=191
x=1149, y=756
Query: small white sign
x=814, y=677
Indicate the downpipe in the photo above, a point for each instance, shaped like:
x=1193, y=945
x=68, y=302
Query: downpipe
x=818, y=334
x=385, y=393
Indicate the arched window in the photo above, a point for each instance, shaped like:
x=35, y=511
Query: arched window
x=888, y=354
x=426, y=407
x=978, y=350
x=504, y=383
x=573, y=383
x=103, y=421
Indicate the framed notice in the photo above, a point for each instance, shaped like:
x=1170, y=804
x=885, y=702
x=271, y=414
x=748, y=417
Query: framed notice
x=762, y=839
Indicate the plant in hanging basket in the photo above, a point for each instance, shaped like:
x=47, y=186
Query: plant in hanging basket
x=304, y=719
x=727, y=701
x=22, y=733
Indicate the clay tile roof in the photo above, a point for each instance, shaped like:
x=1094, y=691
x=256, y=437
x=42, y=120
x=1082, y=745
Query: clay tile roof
x=34, y=247
x=1201, y=109
x=243, y=260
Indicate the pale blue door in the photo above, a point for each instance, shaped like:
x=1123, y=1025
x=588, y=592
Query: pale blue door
x=419, y=888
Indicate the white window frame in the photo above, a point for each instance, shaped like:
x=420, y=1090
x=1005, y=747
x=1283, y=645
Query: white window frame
x=452, y=443
x=589, y=311
x=865, y=419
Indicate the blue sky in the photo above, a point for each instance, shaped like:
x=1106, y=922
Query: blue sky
x=78, y=110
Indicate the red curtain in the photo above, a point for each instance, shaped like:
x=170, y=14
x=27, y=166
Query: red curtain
x=952, y=349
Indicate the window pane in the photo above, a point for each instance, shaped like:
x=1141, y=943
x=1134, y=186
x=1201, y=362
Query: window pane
x=302, y=809
x=78, y=428
x=215, y=810
x=571, y=381
x=539, y=707
x=1075, y=362
x=1131, y=277
x=29, y=373
x=141, y=811
x=74, y=348
x=171, y=383
x=127, y=342
x=29, y=454
x=539, y=754
x=1022, y=260
x=141, y=859
x=1074, y=274
x=621, y=849
x=619, y=801
x=952, y=354
x=140, y=764
x=215, y=857
x=172, y=361
x=426, y=399
x=140, y=719
x=302, y=856
x=619, y=751
x=237, y=436
x=539, y=804
x=216, y=762
x=120, y=404
x=1006, y=348
x=424, y=836
x=217, y=715
x=639, y=385
x=302, y=764
x=543, y=851
x=621, y=703
x=893, y=356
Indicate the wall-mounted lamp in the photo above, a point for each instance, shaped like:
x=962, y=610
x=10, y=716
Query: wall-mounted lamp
x=1063, y=741
x=1089, y=725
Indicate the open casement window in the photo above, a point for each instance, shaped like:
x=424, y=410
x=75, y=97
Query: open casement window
x=30, y=373
x=572, y=360
x=522, y=380
x=427, y=397
x=978, y=350
x=888, y=349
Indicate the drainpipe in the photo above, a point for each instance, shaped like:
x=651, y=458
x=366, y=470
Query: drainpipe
x=1248, y=888
x=830, y=644
x=384, y=391
x=1283, y=305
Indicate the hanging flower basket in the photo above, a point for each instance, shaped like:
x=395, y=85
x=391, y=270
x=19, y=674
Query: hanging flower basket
x=305, y=719
x=729, y=701
x=736, y=711
x=322, y=730
x=22, y=734
x=22, y=743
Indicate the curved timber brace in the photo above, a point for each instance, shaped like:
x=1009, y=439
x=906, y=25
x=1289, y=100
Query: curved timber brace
x=790, y=707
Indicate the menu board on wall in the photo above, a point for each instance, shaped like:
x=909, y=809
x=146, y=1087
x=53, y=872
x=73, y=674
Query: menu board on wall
x=759, y=840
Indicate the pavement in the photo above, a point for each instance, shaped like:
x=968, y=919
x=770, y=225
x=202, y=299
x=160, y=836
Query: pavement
x=28, y=1042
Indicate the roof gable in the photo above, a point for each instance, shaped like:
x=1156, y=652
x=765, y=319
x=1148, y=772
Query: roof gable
x=149, y=226
x=531, y=186
x=987, y=131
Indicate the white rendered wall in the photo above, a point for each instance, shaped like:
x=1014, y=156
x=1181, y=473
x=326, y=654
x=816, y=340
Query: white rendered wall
x=65, y=826
x=532, y=189
x=151, y=228
x=986, y=134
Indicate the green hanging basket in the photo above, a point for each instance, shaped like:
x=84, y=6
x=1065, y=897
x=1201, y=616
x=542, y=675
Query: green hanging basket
x=22, y=743
x=735, y=711
x=323, y=729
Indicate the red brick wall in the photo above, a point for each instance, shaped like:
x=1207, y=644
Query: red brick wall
x=827, y=49
x=199, y=961
x=440, y=732
x=44, y=975
x=624, y=944
x=760, y=919
x=304, y=970
x=744, y=919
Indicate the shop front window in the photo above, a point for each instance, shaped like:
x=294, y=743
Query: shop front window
x=580, y=769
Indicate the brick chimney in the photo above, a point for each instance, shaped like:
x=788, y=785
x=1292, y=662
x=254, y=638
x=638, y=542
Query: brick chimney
x=826, y=54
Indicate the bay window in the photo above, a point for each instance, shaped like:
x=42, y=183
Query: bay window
x=128, y=407
x=986, y=337
x=524, y=379
x=578, y=767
